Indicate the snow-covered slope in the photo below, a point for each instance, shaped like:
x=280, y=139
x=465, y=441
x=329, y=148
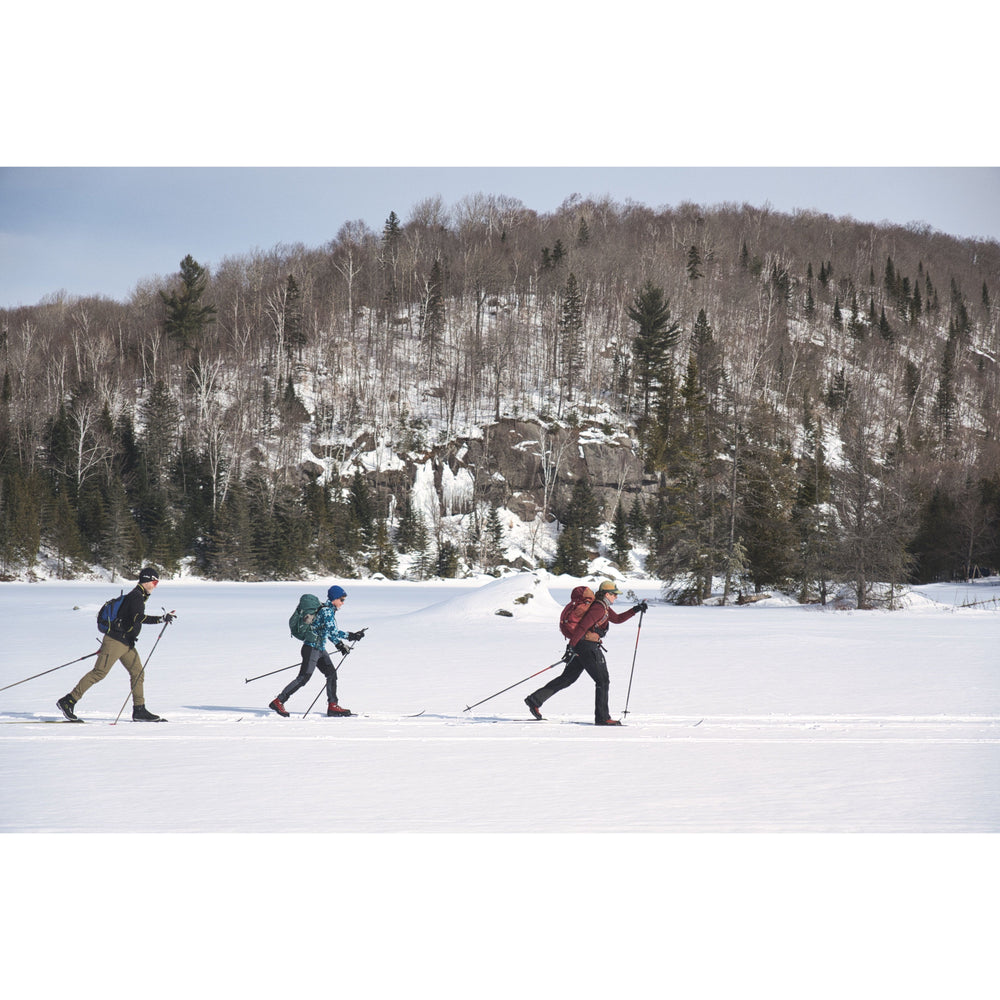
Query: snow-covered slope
x=767, y=719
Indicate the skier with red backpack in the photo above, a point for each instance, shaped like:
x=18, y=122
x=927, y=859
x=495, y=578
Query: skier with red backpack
x=585, y=622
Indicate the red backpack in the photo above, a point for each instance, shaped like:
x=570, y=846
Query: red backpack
x=579, y=601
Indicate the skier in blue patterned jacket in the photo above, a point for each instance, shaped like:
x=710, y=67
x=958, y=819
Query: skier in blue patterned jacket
x=314, y=654
x=325, y=623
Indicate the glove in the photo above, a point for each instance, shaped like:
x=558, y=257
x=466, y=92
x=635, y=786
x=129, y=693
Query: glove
x=355, y=636
x=569, y=654
x=642, y=607
x=169, y=616
x=341, y=648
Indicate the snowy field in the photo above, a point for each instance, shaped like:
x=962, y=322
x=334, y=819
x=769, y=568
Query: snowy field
x=767, y=719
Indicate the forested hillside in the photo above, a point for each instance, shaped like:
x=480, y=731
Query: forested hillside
x=727, y=392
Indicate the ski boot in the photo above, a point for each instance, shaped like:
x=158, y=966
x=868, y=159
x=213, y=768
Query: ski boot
x=66, y=705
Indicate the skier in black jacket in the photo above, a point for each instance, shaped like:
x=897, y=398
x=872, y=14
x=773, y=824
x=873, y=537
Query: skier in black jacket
x=119, y=644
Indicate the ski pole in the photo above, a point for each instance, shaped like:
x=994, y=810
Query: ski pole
x=49, y=671
x=141, y=672
x=636, y=650
x=323, y=688
x=278, y=671
x=515, y=684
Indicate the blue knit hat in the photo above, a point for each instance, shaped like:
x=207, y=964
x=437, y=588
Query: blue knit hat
x=335, y=592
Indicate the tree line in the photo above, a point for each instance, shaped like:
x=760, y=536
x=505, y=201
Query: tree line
x=814, y=400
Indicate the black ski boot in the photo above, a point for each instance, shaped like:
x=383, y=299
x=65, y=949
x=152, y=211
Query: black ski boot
x=66, y=705
x=533, y=707
x=140, y=714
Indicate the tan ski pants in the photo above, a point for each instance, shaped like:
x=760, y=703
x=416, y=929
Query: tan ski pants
x=110, y=653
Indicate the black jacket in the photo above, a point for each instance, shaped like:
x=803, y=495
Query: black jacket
x=131, y=617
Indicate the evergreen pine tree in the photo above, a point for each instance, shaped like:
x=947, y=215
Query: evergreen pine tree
x=406, y=527
x=160, y=414
x=571, y=554
x=295, y=333
x=621, y=546
x=61, y=533
x=494, y=540
x=583, y=513
x=383, y=557
x=809, y=517
x=946, y=400
x=706, y=354
x=854, y=325
x=638, y=522
x=186, y=317
x=664, y=438
x=120, y=545
x=447, y=561
x=571, y=335
x=281, y=530
x=839, y=392
x=432, y=318
x=392, y=233
x=229, y=548
x=192, y=488
x=362, y=507
x=884, y=329
x=91, y=513
x=420, y=547
x=889, y=279
x=656, y=337
x=936, y=545
x=766, y=498
x=916, y=305
x=59, y=444
x=694, y=271
x=21, y=498
x=911, y=381
x=679, y=548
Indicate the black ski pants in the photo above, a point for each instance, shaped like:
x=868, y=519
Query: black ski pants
x=589, y=657
x=311, y=659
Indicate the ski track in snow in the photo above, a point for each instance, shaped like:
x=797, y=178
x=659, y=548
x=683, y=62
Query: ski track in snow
x=365, y=727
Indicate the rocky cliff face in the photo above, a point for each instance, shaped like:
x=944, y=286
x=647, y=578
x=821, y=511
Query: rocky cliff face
x=524, y=466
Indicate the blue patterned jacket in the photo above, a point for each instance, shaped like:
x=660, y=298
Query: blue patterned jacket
x=325, y=626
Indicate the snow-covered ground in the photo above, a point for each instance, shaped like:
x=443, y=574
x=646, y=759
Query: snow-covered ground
x=767, y=719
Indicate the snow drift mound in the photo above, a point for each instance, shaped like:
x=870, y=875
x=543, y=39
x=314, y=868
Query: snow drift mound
x=524, y=596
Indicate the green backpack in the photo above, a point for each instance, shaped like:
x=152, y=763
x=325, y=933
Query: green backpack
x=300, y=624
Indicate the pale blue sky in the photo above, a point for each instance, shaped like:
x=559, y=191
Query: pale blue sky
x=124, y=146
x=102, y=230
